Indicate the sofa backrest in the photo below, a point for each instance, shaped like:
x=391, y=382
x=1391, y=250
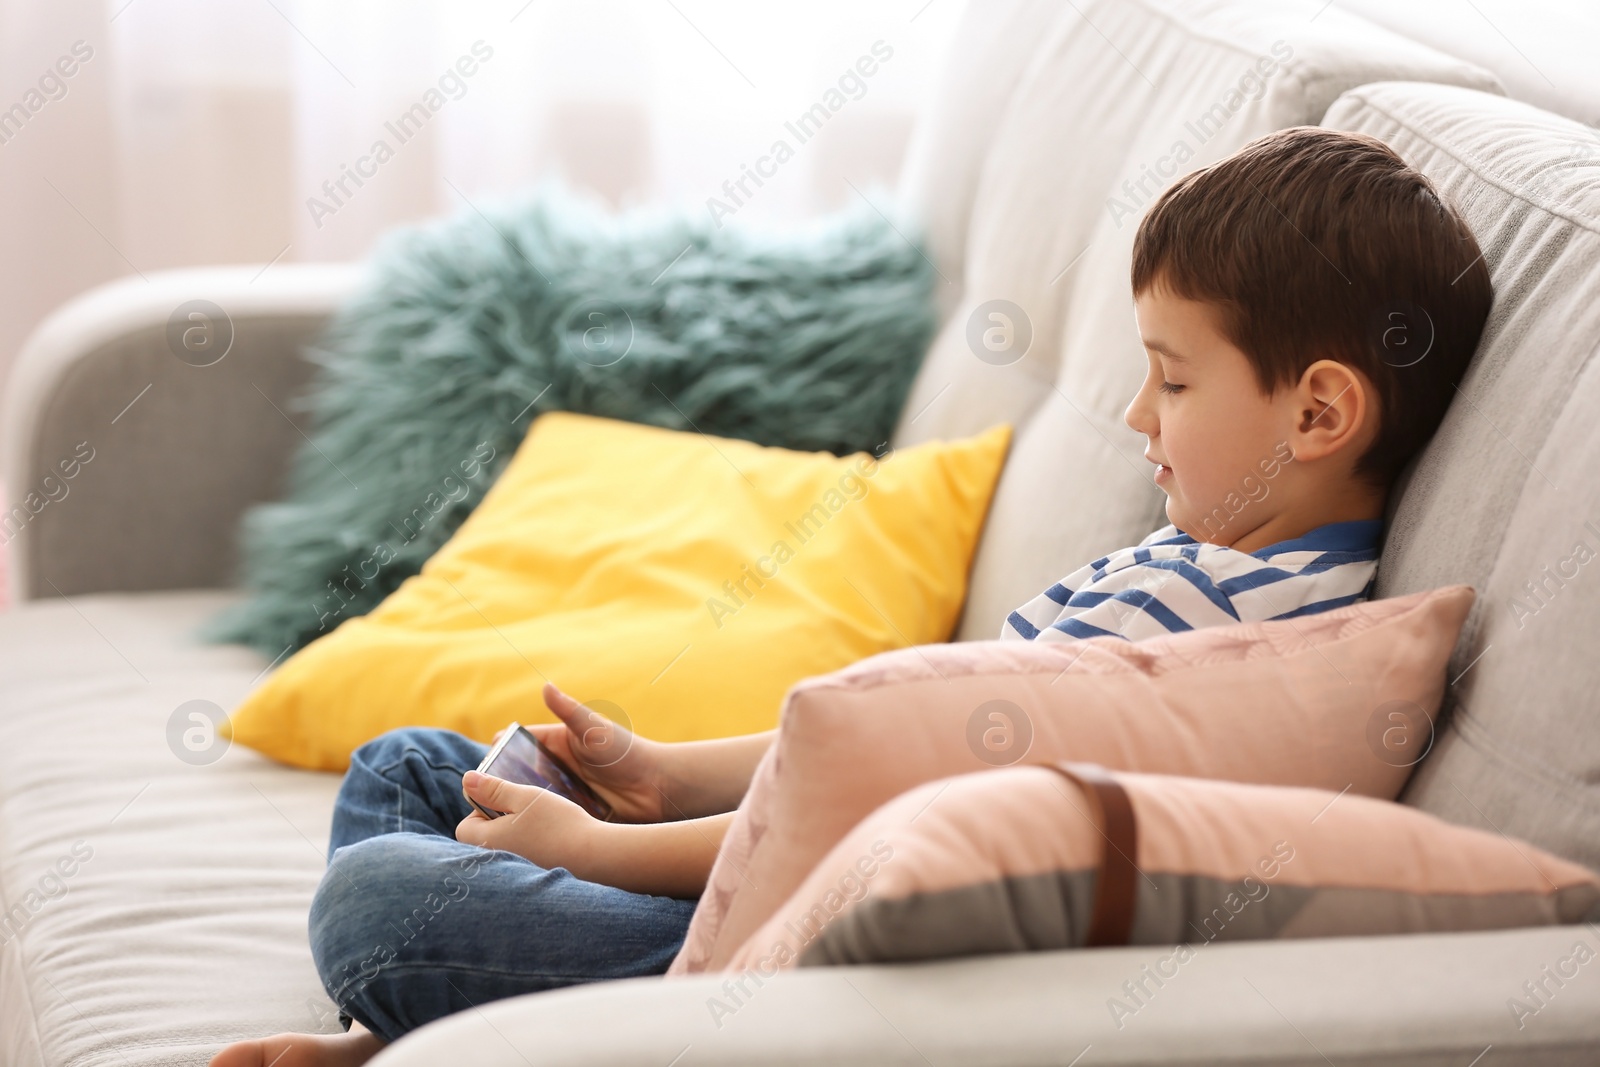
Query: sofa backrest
x=1506, y=496
x=1056, y=126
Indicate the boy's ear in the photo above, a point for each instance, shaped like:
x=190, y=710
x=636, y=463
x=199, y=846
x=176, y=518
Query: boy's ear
x=1334, y=410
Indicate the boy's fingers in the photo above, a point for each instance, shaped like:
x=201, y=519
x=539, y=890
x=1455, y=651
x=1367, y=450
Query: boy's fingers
x=474, y=830
x=595, y=740
x=582, y=720
x=496, y=794
x=563, y=706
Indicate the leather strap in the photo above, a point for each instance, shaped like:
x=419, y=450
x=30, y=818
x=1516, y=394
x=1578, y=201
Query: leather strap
x=1117, y=886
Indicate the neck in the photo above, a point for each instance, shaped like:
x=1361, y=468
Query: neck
x=1357, y=503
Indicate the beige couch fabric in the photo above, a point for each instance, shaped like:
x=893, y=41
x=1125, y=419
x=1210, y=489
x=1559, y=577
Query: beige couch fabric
x=1421, y=1001
x=1506, y=497
x=179, y=450
x=182, y=922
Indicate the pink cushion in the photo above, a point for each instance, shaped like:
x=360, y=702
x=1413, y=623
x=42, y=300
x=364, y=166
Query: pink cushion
x=1007, y=861
x=1338, y=700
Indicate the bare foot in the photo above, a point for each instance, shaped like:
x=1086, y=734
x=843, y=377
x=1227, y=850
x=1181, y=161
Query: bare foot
x=303, y=1050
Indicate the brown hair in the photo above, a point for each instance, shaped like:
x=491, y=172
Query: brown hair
x=1317, y=244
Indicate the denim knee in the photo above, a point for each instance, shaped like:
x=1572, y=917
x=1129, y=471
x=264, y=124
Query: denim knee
x=368, y=887
x=409, y=927
x=406, y=780
x=388, y=747
x=342, y=919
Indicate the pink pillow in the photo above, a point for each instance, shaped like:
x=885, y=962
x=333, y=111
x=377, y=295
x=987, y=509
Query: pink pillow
x=1340, y=700
x=1009, y=861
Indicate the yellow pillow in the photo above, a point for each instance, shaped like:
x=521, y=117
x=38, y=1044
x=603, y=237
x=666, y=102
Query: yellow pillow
x=686, y=580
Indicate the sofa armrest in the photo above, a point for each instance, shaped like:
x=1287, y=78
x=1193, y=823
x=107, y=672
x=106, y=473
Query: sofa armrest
x=127, y=467
x=1358, y=1002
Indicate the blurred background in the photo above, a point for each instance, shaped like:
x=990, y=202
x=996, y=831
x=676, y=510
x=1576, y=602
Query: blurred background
x=195, y=132
x=141, y=135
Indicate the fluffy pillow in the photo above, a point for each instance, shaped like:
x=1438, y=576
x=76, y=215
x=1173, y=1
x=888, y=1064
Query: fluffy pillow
x=470, y=327
x=678, y=582
x=1010, y=861
x=1341, y=700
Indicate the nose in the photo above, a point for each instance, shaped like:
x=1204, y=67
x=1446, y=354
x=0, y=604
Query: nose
x=1140, y=415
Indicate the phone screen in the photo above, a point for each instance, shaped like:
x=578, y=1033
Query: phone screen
x=521, y=758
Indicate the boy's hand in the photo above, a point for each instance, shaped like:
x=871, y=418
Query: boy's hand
x=623, y=768
x=538, y=825
x=665, y=859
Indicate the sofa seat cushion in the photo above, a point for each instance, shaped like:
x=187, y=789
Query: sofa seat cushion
x=154, y=904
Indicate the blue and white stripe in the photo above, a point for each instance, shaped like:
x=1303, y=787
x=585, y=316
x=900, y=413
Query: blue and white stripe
x=1170, y=582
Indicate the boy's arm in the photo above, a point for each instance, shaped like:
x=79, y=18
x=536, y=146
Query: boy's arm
x=650, y=781
x=700, y=778
x=669, y=859
x=663, y=859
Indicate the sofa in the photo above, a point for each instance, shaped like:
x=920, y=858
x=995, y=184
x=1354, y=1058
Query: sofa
x=154, y=897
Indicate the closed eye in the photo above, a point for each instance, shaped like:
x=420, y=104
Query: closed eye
x=1169, y=387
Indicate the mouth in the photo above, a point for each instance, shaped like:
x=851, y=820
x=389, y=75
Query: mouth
x=1163, y=472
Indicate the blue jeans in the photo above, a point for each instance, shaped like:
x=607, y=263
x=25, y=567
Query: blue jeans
x=409, y=925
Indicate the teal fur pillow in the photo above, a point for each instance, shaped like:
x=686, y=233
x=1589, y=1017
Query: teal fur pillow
x=469, y=328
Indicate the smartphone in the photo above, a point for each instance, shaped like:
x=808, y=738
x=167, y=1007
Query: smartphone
x=519, y=757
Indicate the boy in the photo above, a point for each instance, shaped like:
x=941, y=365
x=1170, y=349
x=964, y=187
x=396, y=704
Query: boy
x=1306, y=307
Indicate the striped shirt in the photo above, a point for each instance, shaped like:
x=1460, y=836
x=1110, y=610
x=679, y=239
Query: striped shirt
x=1170, y=582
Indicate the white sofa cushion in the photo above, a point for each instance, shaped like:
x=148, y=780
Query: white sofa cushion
x=1542, y=49
x=1423, y=1001
x=1505, y=496
x=185, y=926
x=1107, y=95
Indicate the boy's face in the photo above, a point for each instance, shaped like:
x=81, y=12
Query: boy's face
x=1210, y=428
